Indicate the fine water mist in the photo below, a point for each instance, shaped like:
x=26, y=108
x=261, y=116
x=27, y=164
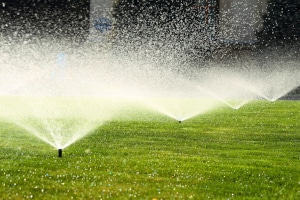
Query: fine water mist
x=61, y=91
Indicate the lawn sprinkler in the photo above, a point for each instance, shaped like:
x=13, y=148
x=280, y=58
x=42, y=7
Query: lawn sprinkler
x=179, y=121
x=60, y=153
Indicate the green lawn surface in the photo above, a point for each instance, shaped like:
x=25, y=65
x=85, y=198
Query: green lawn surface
x=250, y=153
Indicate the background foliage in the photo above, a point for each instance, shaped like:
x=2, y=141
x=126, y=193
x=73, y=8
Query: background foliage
x=281, y=23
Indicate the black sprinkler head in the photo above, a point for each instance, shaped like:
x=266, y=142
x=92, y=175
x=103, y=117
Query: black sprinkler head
x=179, y=121
x=60, y=153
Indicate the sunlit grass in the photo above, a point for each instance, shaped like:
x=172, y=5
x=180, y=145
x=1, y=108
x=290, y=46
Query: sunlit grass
x=250, y=153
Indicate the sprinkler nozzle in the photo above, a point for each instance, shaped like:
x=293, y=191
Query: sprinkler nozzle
x=179, y=121
x=59, y=152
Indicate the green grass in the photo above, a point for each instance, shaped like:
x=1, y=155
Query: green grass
x=251, y=153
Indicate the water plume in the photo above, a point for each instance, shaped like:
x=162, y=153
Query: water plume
x=60, y=91
x=59, y=121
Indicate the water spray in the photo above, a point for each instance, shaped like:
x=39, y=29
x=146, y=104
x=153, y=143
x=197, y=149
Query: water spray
x=61, y=63
x=60, y=153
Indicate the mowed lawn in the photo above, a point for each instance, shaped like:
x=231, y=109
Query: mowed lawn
x=250, y=153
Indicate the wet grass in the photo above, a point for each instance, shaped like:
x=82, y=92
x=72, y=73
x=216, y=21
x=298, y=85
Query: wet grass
x=251, y=153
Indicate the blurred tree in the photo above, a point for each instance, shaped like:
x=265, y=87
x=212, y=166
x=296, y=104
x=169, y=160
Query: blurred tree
x=281, y=22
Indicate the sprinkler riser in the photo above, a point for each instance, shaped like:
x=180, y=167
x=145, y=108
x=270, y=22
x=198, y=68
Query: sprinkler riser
x=60, y=153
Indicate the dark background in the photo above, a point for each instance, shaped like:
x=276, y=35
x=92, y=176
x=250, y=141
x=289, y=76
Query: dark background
x=45, y=18
x=70, y=18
